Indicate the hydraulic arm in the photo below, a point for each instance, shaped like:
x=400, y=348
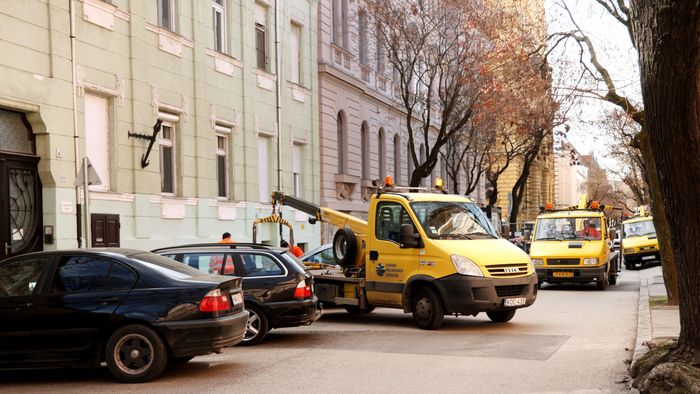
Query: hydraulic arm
x=330, y=216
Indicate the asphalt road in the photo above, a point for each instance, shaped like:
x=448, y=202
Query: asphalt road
x=573, y=339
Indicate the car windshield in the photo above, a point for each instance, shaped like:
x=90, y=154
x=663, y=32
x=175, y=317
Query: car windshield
x=568, y=228
x=638, y=229
x=453, y=220
x=166, y=266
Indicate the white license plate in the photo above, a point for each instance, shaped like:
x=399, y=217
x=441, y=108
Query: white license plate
x=648, y=257
x=237, y=298
x=514, y=301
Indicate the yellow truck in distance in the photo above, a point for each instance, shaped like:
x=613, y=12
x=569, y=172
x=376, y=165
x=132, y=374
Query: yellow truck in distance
x=428, y=254
x=639, y=244
x=571, y=245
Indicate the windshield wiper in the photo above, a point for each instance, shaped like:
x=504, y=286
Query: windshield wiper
x=549, y=239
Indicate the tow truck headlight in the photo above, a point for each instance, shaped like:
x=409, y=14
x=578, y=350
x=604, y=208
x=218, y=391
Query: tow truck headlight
x=592, y=261
x=464, y=266
x=631, y=250
x=537, y=262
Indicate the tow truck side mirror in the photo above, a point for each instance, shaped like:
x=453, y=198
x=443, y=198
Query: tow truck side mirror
x=409, y=237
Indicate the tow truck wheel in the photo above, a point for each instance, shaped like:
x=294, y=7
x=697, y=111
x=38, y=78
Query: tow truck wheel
x=427, y=309
x=603, y=282
x=344, y=247
x=501, y=316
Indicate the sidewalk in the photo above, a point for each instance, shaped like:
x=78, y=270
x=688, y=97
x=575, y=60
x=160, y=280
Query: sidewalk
x=654, y=322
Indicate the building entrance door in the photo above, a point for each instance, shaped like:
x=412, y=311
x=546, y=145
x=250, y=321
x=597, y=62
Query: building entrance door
x=20, y=205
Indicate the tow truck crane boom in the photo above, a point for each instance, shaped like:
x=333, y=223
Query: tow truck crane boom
x=331, y=216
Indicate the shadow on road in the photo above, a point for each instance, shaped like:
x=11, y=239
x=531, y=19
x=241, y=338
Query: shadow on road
x=102, y=376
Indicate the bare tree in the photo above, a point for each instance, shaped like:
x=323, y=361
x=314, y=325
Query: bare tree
x=438, y=52
x=667, y=35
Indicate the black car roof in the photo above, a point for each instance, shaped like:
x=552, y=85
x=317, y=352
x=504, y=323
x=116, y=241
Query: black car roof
x=219, y=246
x=124, y=252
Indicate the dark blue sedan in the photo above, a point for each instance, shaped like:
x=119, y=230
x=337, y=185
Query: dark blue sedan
x=135, y=310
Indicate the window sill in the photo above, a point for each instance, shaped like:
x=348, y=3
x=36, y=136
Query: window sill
x=102, y=14
x=169, y=41
x=265, y=80
x=299, y=92
x=224, y=63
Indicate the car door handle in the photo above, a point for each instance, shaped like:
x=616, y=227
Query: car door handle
x=23, y=305
x=107, y=300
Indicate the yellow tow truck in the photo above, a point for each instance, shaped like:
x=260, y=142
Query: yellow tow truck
x=426, y=253
x=639, y=244
x=572, y=245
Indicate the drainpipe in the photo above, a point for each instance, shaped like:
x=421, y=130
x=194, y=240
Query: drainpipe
x=278, y=69
x=76, y=141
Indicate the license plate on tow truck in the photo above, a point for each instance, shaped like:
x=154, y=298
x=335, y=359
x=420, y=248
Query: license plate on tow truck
x=514, y=301
x=563, y=274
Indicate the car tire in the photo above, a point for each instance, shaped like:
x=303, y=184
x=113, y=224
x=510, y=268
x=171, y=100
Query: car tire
x=603, y=282
x=356, y=310
x=501, y=316
x=135, y=354
x=427, y=308
x=344, y=247
x=180, y=360
x=257, y=327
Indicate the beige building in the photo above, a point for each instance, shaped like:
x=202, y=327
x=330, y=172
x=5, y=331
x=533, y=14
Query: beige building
x=570, y=177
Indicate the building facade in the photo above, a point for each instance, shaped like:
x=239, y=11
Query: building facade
x=570, y=177
x=175, y=105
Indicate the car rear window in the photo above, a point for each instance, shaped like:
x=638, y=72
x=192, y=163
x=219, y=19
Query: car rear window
x=166, y=266
x=294, y=260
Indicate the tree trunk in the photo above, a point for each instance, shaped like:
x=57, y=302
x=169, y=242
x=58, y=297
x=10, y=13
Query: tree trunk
x=667, y=33
x=658, y=208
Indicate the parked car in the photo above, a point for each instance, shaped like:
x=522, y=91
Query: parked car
x=278, y=291
x=135, y=310
x=321, y=255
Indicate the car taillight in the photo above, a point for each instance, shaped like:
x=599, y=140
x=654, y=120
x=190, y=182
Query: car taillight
x=215, y=301
x=302, y=291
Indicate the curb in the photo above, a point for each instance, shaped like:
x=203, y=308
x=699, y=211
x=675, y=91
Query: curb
x=644, y=331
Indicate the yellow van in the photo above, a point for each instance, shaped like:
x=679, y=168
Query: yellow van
x=639, y=243
x=571, y=245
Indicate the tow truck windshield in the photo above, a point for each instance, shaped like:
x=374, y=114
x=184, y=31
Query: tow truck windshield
x=568, y=228
x=639, y=229
x=453, y=220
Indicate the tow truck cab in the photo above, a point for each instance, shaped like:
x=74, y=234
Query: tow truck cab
x=639, y=243
x=432, y=254
x=571, y=245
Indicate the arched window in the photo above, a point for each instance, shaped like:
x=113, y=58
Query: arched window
x=364, y=150
x=409, y=167
x=342, y=136
x=382, y=154
x=421, y=159
x=397, y=158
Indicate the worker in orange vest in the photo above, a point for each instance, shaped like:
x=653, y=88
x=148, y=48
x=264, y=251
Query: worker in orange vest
x=294, y=249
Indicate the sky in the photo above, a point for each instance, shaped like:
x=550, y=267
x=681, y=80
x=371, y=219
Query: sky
x=614, y=51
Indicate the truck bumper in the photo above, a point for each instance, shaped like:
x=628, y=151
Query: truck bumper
x=642, y=258
x=575, y=274
x=468, y=295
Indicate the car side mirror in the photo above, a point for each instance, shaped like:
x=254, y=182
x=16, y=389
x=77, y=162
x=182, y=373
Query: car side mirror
x=409, y=237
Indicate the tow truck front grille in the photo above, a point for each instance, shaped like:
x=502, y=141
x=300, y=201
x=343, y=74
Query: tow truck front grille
x=507, y=270
x=563, y=261
x=510, y=291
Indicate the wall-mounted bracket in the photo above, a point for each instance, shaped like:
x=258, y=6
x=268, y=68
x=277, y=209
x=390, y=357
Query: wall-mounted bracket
x=151, y=138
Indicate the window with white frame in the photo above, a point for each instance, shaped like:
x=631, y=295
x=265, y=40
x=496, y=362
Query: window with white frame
x=364, y=150
x=222, y=156
x=263, y=169
x=340, y=23
x=297, y=155
x=167, y=155
x=97, y=137
x=295, y=48
x=166, y=14
x=261, y=36
x=218, y=9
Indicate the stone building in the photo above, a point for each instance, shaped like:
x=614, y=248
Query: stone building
x=202, y=73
